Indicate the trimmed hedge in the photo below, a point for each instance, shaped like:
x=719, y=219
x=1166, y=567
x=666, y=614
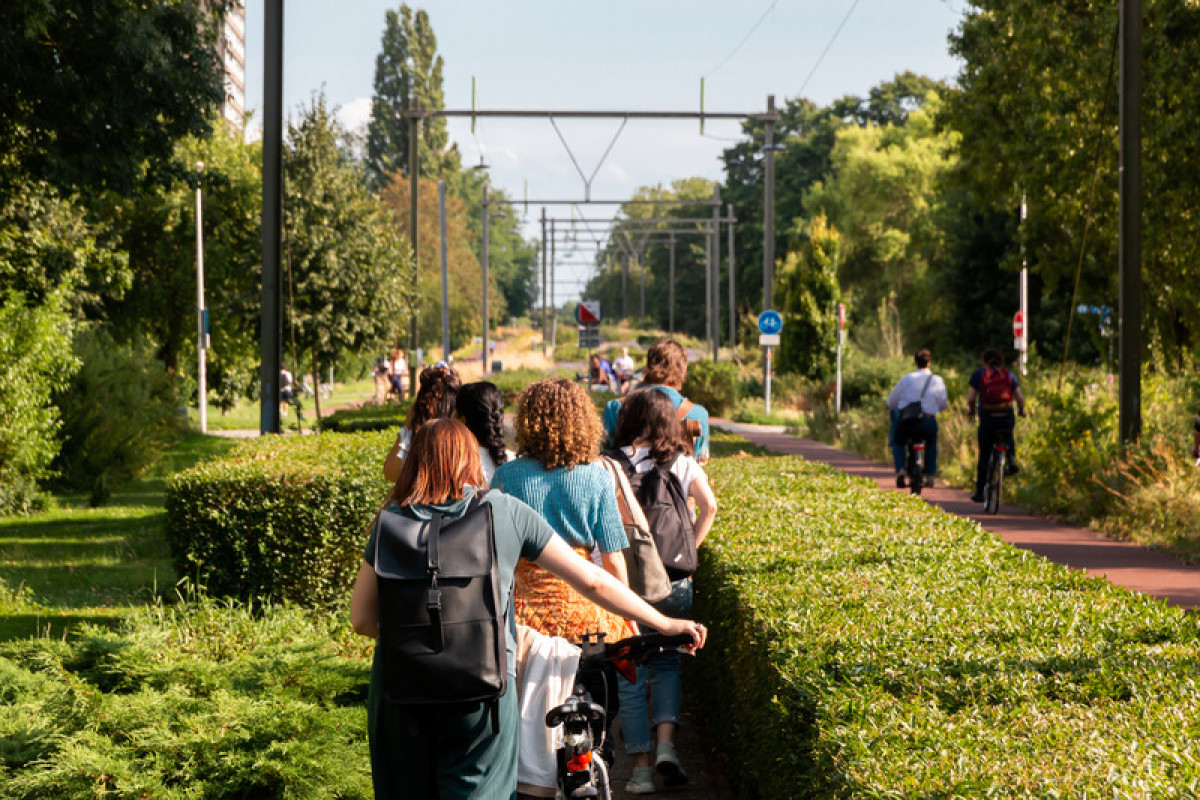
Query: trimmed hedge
x=278, y=517
x=367, y=418
x=865, y=645
x=712, y=384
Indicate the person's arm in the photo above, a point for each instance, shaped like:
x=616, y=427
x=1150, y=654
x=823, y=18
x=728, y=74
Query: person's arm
x=971, y=401
x=605, y=591
x=893, y=397
x=364, y=604
x=1019, y=396
x=393, y=462
x=940, y=396
x=614, y=564
x=706, y=506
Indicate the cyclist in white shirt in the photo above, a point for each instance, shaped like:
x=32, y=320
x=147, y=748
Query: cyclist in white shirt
x=921, y=387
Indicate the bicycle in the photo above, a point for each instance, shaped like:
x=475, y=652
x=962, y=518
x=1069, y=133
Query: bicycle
x=582, y=768
x=994, y=486
x=914, y=463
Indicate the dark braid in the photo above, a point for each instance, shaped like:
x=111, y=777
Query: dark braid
x=435, y=398
x=481, y=407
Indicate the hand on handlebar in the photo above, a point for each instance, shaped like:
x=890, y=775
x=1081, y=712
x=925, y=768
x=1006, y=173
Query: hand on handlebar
x=697, y=631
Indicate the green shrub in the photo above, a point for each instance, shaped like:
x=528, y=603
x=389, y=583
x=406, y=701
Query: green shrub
x=279, y=517
x=864, y=645
x=202, y=699
x=387, y=417
x=512, y=382
x=712, y=384
x=119, y=413
x=35, y=361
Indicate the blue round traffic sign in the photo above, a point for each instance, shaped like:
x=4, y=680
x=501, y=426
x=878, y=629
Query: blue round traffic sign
x=770, y=322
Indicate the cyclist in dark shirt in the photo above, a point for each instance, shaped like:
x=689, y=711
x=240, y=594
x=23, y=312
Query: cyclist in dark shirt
x=993, y=390
x=1196, y=437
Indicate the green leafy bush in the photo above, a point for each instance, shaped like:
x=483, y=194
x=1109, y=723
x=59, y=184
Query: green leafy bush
x=712, y=384
x=865, y=645
x=387, y=417
x=202, y=699
x=279, y=517
x=119, y=413
x=35, y=361
x=512, y=382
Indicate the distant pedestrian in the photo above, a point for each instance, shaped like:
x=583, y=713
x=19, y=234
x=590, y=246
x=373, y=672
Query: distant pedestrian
x=666, y=370
x=435, y=399
x=287, y=389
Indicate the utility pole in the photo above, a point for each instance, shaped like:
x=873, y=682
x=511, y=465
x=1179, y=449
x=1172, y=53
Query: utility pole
x=414, y=189
x=769, y=204
x=715, y=245
x=671, y=287
x=545, y=290
x=1129, y=421
x=445, y=272
x=272, y=216
x=1023, y=342
x=732, y=282
x=487, y=219
x=553, y=308
x=201, y=311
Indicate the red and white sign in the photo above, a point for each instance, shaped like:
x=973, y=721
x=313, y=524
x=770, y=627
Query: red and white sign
x=588, y=312
x=841, y=316
x=1018, y=325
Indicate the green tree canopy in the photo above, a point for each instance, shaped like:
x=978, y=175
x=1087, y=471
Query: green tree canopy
x=408, y=73
x=348, y=276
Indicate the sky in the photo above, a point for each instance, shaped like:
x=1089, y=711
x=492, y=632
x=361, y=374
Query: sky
x=613, y=55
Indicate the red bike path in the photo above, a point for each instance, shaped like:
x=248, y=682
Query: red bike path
x=1122, y=563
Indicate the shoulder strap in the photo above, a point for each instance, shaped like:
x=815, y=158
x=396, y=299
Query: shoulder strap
x=925, y=388
x=684, y=409
x=433, y=597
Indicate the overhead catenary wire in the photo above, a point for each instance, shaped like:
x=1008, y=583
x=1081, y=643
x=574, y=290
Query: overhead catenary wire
x=745, y=39
x=828, y=45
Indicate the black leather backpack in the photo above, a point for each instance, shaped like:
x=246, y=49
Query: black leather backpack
x=441, y=625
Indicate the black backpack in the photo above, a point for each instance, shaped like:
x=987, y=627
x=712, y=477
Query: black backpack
x=661, y=497
x=441, y=628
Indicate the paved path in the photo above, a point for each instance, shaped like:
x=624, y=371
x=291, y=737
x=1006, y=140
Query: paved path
x=1122, y=563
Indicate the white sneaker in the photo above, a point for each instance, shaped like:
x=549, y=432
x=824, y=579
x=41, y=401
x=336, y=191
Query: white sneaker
x=641, y=781
x=667, y=765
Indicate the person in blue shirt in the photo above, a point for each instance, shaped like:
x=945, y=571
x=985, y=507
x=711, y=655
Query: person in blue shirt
x=919, y=386
x=666, y=370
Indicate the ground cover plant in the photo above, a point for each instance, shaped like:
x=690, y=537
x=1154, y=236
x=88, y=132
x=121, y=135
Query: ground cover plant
x=880, y=648
x=192, y=700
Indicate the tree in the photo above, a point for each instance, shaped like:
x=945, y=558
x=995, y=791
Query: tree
x=1037, y=110
x=880, y=194
x=94, y=94
x=808, y=294
x=347, y=273
x=463, y=268
x=159, y=235
x=408, y=73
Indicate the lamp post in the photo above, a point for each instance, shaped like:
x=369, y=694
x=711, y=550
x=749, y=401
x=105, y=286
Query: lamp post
x=483, y=166
x=201, y=311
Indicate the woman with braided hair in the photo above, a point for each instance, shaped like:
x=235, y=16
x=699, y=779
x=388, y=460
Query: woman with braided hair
x=480, y=406
x=435, y=399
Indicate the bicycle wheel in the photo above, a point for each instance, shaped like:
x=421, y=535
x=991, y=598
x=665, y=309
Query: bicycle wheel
x=916, y=476
x=600, y=776
x=995, y=483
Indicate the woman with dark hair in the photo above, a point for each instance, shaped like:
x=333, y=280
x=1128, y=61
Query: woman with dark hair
x=650, y=435
x=435, y=399
x=666, y=370
x=442, y=751
x=480, y=406
x=559, y=475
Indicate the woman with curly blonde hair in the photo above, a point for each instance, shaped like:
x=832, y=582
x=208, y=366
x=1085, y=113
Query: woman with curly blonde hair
x=557, y=472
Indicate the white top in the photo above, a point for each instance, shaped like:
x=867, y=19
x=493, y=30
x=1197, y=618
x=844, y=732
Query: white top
x=623, y=365
x=908, y=390
x=489, y=466
x=684, y=467
x=405, y=439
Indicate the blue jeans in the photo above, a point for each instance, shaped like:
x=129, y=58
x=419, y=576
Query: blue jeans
x=929, y=429
x=659, y=679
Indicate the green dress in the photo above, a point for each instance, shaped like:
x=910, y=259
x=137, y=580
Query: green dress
x=450, y=752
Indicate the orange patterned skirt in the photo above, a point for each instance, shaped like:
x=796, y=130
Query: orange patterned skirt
x=550, y=606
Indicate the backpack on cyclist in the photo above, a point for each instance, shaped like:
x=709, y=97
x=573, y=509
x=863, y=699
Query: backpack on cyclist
x=660, y=494
x=441, y=628
x=996, y=393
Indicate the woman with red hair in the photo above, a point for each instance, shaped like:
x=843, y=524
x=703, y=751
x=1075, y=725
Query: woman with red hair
x=454, y=751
